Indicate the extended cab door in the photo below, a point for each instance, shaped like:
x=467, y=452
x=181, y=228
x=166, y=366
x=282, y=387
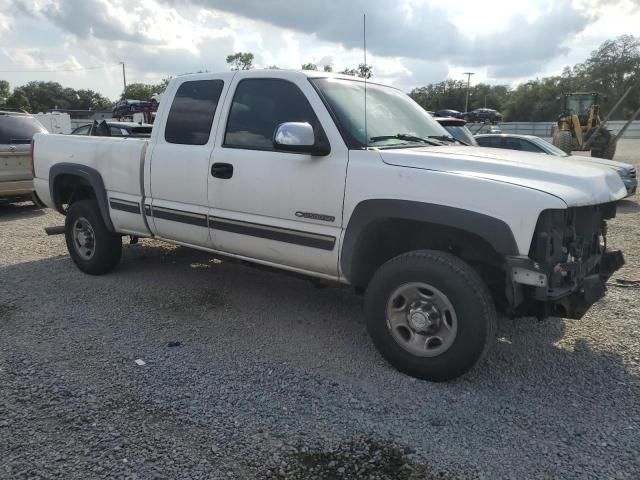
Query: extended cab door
x=182, y=144
x=279, y=207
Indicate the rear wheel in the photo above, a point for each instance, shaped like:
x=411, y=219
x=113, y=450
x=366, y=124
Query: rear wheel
x=430, y=314
x=93, y=248
x=563, y=141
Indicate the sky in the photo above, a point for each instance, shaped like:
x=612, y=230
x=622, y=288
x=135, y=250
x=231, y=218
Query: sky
x=80, y=43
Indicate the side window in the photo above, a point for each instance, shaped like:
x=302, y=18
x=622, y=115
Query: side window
x=493, y=142
x=117, y=132
x=84, y=130
x=191, y=114
x=512, y=143
x=528, y=146
x=259, y=106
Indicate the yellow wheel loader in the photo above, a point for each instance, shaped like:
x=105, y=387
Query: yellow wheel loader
x=580, y=127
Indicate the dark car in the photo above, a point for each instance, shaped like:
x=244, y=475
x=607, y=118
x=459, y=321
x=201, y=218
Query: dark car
x=531, y=143
x=116, y=129
x=457, y=129
x=484, y=115
x=449, y=113
x=129, y=107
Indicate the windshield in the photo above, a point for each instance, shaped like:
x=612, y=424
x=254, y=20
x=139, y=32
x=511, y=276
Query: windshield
x=16, y=129
x=389, y=113
x=579, y=104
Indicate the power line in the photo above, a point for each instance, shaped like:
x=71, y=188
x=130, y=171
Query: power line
x=61, y=69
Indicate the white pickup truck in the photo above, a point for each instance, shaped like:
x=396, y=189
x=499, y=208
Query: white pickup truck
x=280, y=168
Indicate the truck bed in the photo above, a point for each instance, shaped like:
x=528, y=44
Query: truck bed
x=119, y=160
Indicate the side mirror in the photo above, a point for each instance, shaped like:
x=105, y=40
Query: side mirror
x=298, y=137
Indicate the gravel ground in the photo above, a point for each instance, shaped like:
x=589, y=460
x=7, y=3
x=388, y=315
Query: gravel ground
x=254, y=374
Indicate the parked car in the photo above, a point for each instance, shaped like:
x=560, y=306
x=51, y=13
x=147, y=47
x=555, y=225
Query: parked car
x=274, y=167
x=449, y=113
x=458, y=130
x=484, y=115
x=531, y=143
x=118, y=129
x=126, y=108
x=16, y=131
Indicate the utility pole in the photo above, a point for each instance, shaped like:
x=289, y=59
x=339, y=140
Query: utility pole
x=466, y=103
x=124, y=80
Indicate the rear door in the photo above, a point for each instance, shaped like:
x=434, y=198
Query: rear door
x=179, y=165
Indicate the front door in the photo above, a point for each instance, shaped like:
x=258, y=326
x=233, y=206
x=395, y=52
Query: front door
x=180, y=160
x=279, y=207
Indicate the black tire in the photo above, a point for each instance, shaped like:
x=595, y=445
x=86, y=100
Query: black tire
x=106, y=245
x=466, y=292
x=563, y=141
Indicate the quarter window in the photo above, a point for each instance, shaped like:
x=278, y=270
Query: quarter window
x=192, y=111
x=259, y=107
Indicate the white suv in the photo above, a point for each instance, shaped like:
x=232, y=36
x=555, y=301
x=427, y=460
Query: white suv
x=16, y=131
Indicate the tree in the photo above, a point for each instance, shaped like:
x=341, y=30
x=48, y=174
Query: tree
x=309, y=66
x=4, y=91
x=18, y=100
x=90, y=100
x=362, y=71
x=328, y=68
x=272, y=67
x=140, y=91
x=240, y=61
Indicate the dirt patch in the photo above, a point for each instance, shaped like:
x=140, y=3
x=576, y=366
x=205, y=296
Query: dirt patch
x=7, y=310
x=360, y=457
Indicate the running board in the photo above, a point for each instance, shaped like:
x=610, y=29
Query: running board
x=54, y=230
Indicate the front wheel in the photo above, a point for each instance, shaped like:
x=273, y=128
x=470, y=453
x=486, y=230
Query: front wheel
x=430, y=314
x=92, y=247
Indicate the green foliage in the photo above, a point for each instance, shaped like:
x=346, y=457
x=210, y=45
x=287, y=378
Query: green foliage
x=309, y=66
x=362, y=71
x=240, y=61
x=609, y=70
x=140, y=91
x=4, y=91
x=18, y=100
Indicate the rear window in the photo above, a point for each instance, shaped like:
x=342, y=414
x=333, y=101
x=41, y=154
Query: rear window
x=191, y=115
x=16, y=129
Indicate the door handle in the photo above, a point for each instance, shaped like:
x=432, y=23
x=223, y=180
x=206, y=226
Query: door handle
x=222, y=170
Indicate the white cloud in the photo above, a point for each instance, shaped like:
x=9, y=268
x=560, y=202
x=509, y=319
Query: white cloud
x=410, y=42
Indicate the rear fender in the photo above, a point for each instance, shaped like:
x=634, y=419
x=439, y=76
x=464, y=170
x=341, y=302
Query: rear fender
x=91, y=176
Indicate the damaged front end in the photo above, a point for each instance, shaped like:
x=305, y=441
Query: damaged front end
x=568, y=264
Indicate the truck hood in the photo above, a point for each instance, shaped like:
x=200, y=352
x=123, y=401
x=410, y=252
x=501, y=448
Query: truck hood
x=575, y=184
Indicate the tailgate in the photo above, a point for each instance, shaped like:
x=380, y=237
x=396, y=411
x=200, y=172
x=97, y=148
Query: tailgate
x=15, y=163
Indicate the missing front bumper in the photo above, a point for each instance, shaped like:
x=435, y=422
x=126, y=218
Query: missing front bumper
x=573, y=301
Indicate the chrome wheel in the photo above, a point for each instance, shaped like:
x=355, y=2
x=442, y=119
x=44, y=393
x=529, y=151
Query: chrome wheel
x=421, y=319
x=84, y=240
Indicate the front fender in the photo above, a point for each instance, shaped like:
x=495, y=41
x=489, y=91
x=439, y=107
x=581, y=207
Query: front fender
x=496, y=232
